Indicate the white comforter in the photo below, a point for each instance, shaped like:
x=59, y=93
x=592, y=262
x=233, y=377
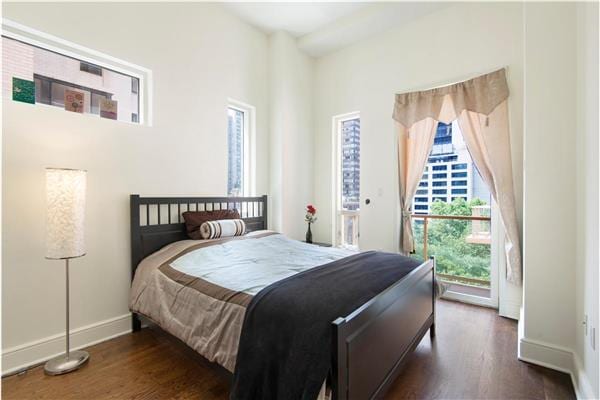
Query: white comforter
x=250, y=265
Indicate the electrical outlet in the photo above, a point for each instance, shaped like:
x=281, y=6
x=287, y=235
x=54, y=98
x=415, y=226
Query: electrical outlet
x=593, y=338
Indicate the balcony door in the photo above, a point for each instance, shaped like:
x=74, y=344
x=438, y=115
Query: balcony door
x=456, y=220
x=346, y=187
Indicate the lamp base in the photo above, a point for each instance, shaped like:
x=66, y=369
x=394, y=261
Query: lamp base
x=63, y=364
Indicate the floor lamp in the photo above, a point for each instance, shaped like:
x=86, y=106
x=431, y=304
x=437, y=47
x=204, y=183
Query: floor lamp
x=65, y=201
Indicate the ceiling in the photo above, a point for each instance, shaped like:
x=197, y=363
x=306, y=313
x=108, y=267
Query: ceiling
x=298, y=19
x=326, y=26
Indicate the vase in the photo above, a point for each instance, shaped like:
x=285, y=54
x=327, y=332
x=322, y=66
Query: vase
x=308, y=235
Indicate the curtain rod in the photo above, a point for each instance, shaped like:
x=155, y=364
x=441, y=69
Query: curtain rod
x=455, y=82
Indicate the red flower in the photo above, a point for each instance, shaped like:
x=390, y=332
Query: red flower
x=310, y=209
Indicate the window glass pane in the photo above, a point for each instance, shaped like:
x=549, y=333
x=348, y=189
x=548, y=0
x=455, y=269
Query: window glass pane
x=350, y=164
x=95, y=107
x=235, y=142
x=54, y=72
x=350, y=230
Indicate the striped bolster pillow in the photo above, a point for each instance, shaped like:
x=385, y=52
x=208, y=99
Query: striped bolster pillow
x=222, y=228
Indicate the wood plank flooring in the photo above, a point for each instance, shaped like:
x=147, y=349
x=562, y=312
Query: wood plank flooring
x=472, y=357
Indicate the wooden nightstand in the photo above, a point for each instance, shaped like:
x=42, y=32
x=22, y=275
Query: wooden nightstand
x=319, y=244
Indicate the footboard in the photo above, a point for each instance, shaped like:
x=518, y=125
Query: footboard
x=371, y=344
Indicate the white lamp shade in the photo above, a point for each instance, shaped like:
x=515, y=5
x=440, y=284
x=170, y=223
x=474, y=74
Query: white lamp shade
x=65, y=215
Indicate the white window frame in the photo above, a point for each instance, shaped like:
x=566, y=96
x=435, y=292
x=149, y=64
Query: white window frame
x=249, y=145
x=33, y=37
x=336, y=168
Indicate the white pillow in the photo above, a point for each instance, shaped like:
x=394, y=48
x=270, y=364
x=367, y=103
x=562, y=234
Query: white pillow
x=222, y=228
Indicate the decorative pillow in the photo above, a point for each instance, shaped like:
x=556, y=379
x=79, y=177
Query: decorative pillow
x=195, y=219
x=222, y=228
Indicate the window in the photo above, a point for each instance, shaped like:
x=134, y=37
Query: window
x=421, y=192
x=439, y=191
x=459, y=174
x=442, y=143
x=52, y=92
x=439, y=168
x=347, y=182
x=459, y=183
x=420, y=199
x=440, y=176
x=443, y=134
x=438, y=183
x=421, y=207
x=459, y=191
x=423, y=184
x=46, y=67
x=235, y=145
x=444, y=158
x=459, y=166
x=442, y=199
x=240, y=134
x=91, y=68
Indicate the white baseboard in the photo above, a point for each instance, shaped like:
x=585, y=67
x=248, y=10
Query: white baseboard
x=557, y=358
x=581, y=382
x=20, y=357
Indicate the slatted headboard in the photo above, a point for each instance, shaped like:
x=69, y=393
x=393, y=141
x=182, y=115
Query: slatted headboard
x=158, y=221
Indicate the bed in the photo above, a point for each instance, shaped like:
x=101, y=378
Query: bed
x=171, y=274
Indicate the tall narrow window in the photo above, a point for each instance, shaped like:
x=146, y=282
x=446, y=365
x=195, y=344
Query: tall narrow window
x=347, y=190
x=240, y=149
x=235, y=142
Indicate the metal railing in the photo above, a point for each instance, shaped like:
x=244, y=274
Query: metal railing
x=449, y=277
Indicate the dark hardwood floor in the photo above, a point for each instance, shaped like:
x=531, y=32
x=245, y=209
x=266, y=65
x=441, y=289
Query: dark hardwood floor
x=472, y=357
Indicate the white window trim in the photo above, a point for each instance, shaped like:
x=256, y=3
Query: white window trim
x=249, y=141
x=46, y=41
x=336, y=170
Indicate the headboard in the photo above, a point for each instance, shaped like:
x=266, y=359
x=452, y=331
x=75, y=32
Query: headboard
x=158, y=221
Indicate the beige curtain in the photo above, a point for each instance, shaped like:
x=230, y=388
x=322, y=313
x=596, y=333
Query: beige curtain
x=414, y=145
x=480, y=105
x=488, y=142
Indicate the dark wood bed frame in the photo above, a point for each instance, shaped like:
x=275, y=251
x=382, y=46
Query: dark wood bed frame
x=370, y=345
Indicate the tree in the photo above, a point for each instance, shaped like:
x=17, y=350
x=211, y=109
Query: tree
x=447, y=241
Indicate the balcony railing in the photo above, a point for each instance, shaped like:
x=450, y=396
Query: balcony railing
x=461, y=245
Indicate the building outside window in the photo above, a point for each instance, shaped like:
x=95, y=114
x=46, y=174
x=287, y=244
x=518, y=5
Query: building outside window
x=235, y=148
x=452, y=157
x=54, y=73
x=347, y=192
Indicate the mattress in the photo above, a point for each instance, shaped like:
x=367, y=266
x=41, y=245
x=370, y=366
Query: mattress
x=198, y=290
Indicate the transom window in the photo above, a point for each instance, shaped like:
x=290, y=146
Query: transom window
x=34, y=74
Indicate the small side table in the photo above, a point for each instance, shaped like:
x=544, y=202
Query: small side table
x=319, y=244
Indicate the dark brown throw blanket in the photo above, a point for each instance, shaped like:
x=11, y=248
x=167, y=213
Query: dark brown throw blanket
x=285, y=348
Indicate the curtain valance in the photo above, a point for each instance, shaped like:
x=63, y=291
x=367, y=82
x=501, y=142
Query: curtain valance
x=481, y=95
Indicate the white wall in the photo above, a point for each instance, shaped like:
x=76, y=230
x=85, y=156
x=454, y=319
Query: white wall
x=291, y=95
x=587, y=157
x=200, y=56
x=561, y=190
x=549, y=226
x=455, y=43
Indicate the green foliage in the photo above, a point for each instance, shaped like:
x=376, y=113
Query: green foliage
x=447, y=241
